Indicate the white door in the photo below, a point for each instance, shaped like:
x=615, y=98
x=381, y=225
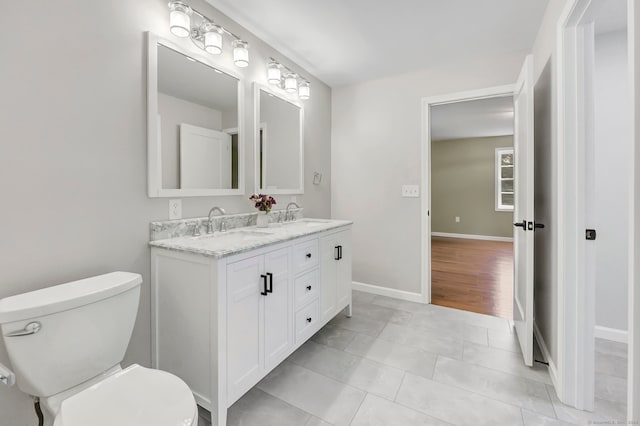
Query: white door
x=278, y=330
x=246, y=284
x=205, y=158
x=523, y=210
x=343, y=273
x=328, y=273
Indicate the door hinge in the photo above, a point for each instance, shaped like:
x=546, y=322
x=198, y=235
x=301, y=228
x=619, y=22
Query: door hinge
x=590, y=234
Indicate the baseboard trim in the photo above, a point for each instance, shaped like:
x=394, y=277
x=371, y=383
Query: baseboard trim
x=388, y=292
x=553, y=371
x=613, y=334
x=472, y=236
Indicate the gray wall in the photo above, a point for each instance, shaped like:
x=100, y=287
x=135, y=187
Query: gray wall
x=463, y=184
x=73, y=153
x=376, y=148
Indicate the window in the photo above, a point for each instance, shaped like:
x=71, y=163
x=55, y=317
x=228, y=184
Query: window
x=504, y=179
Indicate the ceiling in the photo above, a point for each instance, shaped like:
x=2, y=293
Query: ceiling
x=472, y=119
x=195, y=82
x=342, y=42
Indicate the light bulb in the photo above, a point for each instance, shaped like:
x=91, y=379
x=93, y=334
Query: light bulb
x=273, y=73
x=240, y=53
x=212, y=38
x=304, y=90
x=180, y=19
x=290, y=83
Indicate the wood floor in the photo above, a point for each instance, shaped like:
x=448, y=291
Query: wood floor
x=472, y=275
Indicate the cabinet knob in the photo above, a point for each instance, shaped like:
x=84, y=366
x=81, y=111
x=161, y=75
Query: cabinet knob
x=308, y=255
x=309, y=319
x=309, y=288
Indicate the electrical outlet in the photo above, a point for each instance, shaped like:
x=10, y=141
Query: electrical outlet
x=412, y=191
x=457, y=219
x=175, y=209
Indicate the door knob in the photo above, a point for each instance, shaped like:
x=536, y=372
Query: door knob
x=522, y=224
x=309, y=319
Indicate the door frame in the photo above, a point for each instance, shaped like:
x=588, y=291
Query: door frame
x=576, y=301
x=425, y=170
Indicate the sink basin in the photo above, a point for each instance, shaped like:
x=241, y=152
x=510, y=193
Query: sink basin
x=307, y=223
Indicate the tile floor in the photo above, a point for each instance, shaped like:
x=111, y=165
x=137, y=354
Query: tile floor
x=397, y=363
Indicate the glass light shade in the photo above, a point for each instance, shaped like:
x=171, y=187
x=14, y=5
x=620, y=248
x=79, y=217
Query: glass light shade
x=273, y=73
x=240, y=53
x=180, y=19
x=304, y=91
x=212, y=39
x=290, y=83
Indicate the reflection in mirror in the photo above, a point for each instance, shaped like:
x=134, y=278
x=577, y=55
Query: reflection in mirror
x=279, y=145
x=197, y=123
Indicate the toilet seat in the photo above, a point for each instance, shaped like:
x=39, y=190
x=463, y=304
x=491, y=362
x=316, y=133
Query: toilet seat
x=135, y=396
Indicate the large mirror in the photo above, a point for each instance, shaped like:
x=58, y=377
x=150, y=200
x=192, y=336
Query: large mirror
x=194, y=122
x=279, y=143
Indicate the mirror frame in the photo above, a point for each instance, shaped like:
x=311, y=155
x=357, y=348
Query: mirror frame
x=154, y=145
x=257, y=87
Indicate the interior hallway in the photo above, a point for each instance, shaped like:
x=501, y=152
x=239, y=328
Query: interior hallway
x=472, y=275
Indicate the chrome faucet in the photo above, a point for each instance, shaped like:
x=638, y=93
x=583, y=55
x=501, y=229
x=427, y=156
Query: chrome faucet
x=223, y=224
x=289, y=215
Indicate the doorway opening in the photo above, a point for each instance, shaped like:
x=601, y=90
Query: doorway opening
x=472, y=201
x=597, y=148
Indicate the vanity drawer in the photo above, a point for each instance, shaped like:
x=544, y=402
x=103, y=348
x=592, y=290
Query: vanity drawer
x=307, y=322
x=305, y=255
x=306, y=287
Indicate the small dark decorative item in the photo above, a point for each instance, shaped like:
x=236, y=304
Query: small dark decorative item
x=263, y=203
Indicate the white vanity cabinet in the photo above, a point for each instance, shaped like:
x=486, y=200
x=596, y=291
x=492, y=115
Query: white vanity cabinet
x=223, y=323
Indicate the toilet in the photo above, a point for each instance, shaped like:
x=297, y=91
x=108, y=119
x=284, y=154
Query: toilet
x=65, y=345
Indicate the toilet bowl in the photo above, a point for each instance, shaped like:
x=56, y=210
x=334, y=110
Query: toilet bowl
x=65, y=344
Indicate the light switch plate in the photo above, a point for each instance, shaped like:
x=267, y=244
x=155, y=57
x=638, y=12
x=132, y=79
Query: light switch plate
x=175, y=209
x=457, y=219
x=412, y=191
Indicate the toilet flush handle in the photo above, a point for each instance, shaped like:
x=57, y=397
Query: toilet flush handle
x=6, y=376
x=31, y=328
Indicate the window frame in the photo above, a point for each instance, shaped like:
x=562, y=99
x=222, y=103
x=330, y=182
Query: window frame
x=499, y=179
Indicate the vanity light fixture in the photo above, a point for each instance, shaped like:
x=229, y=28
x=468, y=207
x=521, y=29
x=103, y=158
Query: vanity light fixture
x=180, y=19
x=274, y=75
x=240, y=53
x=290, y=83
x=288, y=80
x=207, y=35
x=304, y=90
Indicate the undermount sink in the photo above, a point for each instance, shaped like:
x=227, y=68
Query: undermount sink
x=307, y=223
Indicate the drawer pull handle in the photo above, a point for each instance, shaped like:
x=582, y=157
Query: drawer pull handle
x=308, y=288
x=309, y=319
x=270, y=289
x=264, y=285
x=308, y=255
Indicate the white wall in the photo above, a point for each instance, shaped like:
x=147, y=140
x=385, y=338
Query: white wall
x=173, y=112
x=376, y=131
x=613, y=151
x=73, y=153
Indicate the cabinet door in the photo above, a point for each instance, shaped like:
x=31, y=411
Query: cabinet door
x=245, y=311
x=278, y=307
x=328, y=275
x=343, y=273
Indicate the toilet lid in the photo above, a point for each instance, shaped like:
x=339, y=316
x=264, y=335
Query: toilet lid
x=135, y=396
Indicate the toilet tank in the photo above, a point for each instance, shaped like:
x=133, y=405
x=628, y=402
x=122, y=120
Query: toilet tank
x=85, y=327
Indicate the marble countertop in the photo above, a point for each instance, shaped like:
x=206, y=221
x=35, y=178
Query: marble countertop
x=240, y=240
